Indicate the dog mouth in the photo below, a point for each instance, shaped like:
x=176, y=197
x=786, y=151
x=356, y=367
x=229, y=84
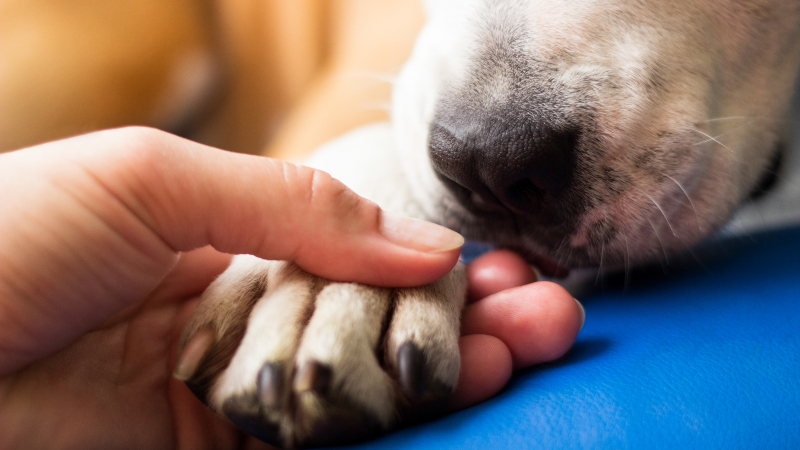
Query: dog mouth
x=641, y=224
x=549, y=267
x=608, y=207
x=490, y=221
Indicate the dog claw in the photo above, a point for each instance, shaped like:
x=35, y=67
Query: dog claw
x=313, y=376
x=194, y=352
x=246, y=414
x=411, y=370
x=269, y=384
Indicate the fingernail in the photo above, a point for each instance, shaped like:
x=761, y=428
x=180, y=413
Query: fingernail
x=418, y=234
x=194, y=352
x=582, y=312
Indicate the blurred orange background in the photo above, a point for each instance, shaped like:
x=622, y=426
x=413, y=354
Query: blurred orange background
x=277, y=77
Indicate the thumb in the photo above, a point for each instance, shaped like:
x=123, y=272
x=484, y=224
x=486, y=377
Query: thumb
x=91, y=225
x=192, y=195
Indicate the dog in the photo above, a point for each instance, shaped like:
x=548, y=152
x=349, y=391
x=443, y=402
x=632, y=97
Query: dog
x=591, y=133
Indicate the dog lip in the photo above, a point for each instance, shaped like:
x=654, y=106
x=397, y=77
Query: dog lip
x=546, y=265
x=550, y=267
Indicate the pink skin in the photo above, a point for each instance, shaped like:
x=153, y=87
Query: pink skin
x=495, y=272
x=92, y=224
x=94, y=291
x=512, y=323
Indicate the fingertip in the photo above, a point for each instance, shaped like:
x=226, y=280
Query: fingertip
x=497, y=271
x=402, y=267
x=486, y=366
x=418, y=234
x=376, y=262
x=538, y=322
x=346, y=237
x=564, y=320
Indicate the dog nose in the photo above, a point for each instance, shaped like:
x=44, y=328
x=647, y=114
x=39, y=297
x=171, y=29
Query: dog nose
x=499, y=165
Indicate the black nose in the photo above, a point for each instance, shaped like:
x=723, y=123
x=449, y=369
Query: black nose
x=500, y=164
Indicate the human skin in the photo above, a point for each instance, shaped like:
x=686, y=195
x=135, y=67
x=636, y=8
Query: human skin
x=107, y=241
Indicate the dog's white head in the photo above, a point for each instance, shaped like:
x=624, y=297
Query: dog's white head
x=595, y=131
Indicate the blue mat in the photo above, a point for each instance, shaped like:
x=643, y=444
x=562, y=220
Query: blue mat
x=708, y=357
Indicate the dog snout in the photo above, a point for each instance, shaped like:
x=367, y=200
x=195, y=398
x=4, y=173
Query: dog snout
x=501, y=164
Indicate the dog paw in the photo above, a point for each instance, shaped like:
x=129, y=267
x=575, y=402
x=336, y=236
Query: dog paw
x=299, y=361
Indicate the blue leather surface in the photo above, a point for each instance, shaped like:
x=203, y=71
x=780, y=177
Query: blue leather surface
x=705, y=358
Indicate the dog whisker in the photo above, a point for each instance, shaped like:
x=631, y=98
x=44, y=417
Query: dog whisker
x=750, y=120
x=737, y=128
x=569, y=256
x=697, y=218
x=662, y=212
x=557, y=253
x=664, y=250
x=762, y=117
x=710, y=138
x=600, y=266
x=694, y=255
x=563, y=241
x=655, y=232
x=720, y=119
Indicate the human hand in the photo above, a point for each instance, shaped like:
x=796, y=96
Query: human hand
x=511, y=321
x=93, y=292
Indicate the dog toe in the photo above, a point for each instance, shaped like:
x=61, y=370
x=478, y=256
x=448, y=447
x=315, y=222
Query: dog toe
x=422, y=344
x=318, y=363
x=342, y=394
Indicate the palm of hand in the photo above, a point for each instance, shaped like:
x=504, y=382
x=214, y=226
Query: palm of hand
x=113, y=387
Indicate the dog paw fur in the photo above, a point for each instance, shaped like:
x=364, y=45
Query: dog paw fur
x=300, y=361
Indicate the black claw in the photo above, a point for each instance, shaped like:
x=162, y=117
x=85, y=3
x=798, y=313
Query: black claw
x=270, y=384
x=313, y=376
x=411, y=370
x=245, y=413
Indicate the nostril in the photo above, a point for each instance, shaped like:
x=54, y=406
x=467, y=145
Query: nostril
x=446, y=151
x=498, y=163
x=456, y=164
x=485, y=202
x=523, y=192
x=545, y=159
